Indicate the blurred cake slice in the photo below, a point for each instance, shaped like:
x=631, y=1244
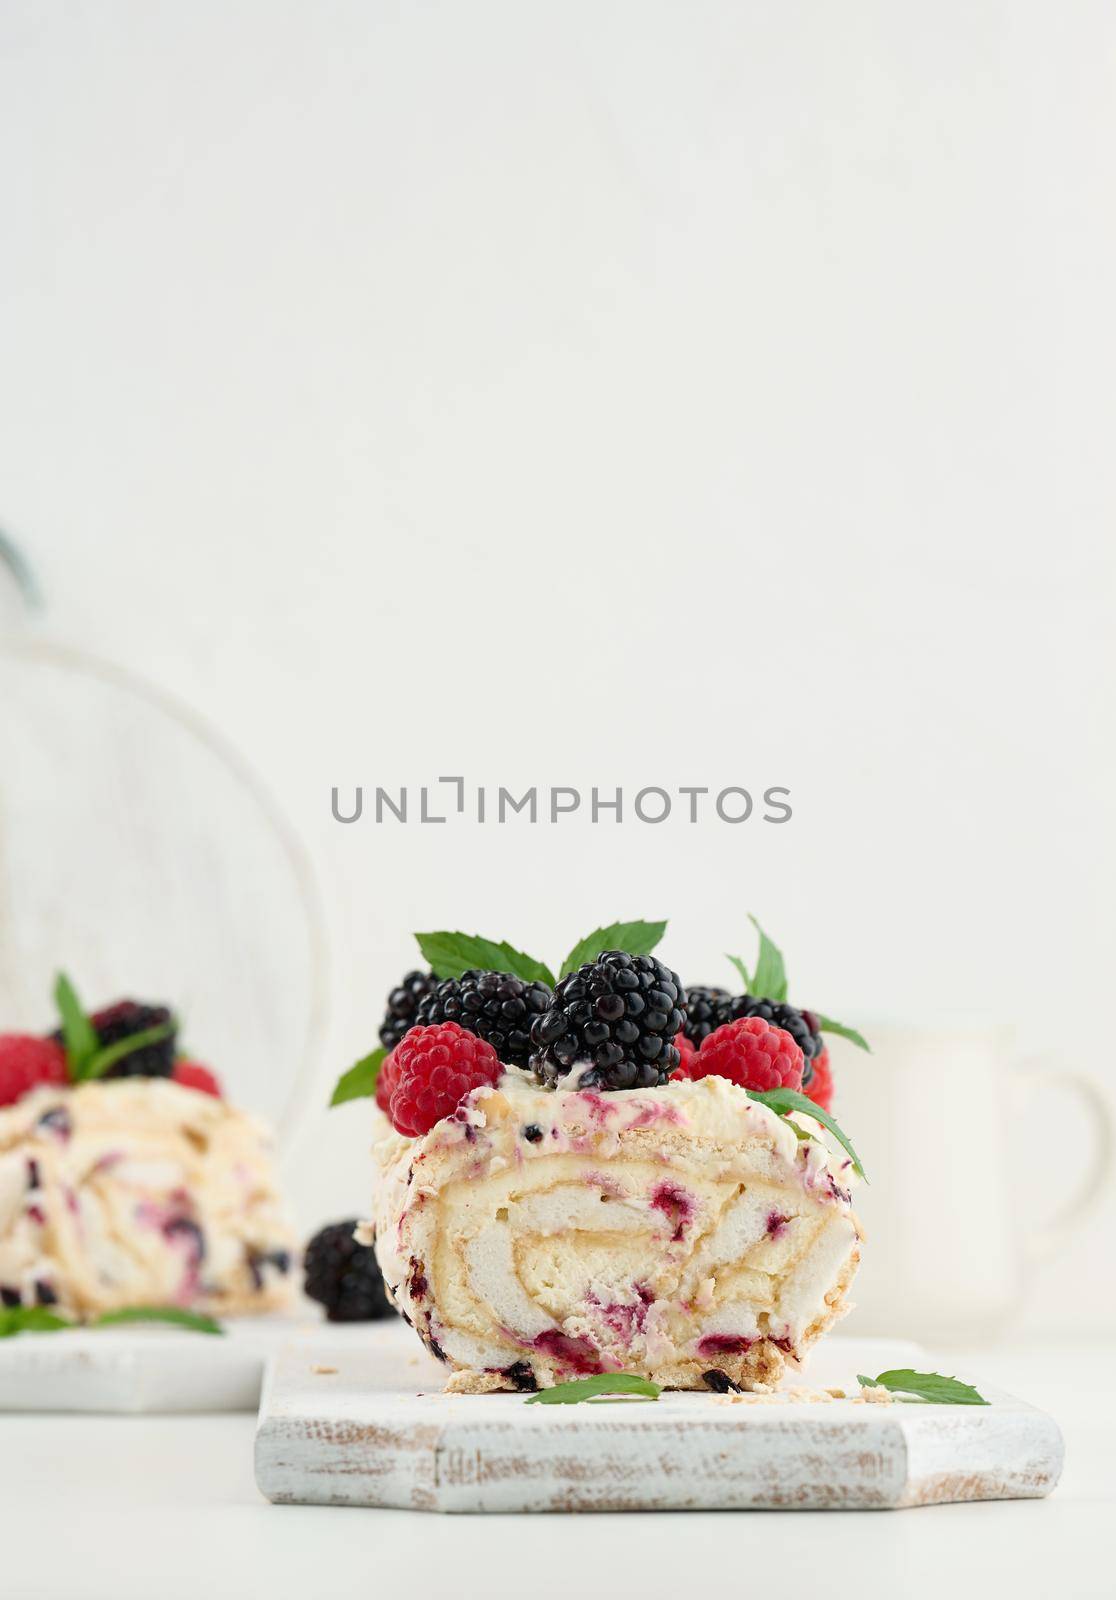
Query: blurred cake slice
x=139, y=1191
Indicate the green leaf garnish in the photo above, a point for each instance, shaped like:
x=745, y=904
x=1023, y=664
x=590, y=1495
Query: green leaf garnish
x=784, y=1100
x=827, y=1025
x=770, y=978
x=617, y=1383
x=361, y=1078
x=451, y=954
x=78, y=1033
x=100, y=1062
x=30, y=1319
x=195, y=1321
x=743, y=971
x=932, y=1387
x=636, y=938
x=40, y=1319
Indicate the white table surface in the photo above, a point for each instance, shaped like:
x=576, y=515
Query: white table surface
x=116, y=1507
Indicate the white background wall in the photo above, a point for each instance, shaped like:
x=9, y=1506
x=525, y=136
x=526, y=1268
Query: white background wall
x=603, y=393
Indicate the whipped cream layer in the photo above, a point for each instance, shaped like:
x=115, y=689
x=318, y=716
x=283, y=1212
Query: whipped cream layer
x=138, y=1191
x=542, y=1235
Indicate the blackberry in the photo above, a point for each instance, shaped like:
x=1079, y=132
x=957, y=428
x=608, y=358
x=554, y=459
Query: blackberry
x=125, y=1019
x=493, y=1005
x=620, y=1013
x=801, y=1025
x=343, y=1276
x=402, y=1004
x=704, y=1010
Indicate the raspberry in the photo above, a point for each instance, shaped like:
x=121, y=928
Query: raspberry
x=820, y=1087
x=752, y=1054
x=26, y=1062
x=386, y=1080
x=687, y=1051
x=801, y=1025
x=437, y=1067
x=192, y=1075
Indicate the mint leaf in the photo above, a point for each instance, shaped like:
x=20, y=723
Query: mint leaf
x=743, y=971
x=360, y=1080
x=636, y=938
x=195, y=1321
x=827, y=1025
x=570, y=1394
x=451, y=954
x=932, y=1387
x=784, y=1100
x=30, y=1319
x=100, y=1062
x=78, y=1033
x=770, y=979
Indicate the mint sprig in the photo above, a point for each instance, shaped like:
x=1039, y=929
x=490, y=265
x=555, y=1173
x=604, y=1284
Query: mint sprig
x=770, y=976
x=451, y=954
x=100, y=1062
x=30, y=1319
x=603, y=1383
x=78, y=1034
x=769, y=982
x=933, y=1388
x=177, y=1316
x=361, y=1078
x=85, y=1057
x=40, y=1319
x=636, y=938
x=827, y=1025
x=783, y=1101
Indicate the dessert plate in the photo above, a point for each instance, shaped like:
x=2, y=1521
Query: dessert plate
x=366, y=1423
x=159, y=1369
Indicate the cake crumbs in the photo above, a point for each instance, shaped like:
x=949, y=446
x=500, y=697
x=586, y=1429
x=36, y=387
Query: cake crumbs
x=797, y=1394
x=874, y=1395
x=321, y=1370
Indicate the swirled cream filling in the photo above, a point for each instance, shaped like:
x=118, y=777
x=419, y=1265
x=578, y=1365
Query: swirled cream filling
x=138, y=1191
x=668, y=1231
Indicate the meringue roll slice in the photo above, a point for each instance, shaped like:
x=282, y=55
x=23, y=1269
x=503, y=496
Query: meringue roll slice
x=686, y=1233
x=139, y=1192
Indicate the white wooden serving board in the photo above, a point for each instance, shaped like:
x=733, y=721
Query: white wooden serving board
x=378, y=1431
x=154, y=1369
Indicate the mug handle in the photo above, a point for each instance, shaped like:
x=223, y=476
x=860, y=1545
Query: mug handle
x=1045, y=1237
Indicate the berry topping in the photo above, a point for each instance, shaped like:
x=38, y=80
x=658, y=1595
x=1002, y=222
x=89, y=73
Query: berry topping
x=26, y=1062
x=801, y=1025
x=192, y=1075
x=494, y=1005
x=343, y=1276
x=123, y=1020
x=402, y=1004
x=820, y=1085
x=686, y=1053
x=386, y=1080
x=705, y=1010
x=752, y=1054
x=436, y=1068
x=620, y=1014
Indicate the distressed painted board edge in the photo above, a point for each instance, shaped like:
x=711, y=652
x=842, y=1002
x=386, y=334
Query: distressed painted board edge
x=344, y=1439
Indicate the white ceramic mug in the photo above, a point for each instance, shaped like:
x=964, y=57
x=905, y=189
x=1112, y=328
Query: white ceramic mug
x=955, y=1224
